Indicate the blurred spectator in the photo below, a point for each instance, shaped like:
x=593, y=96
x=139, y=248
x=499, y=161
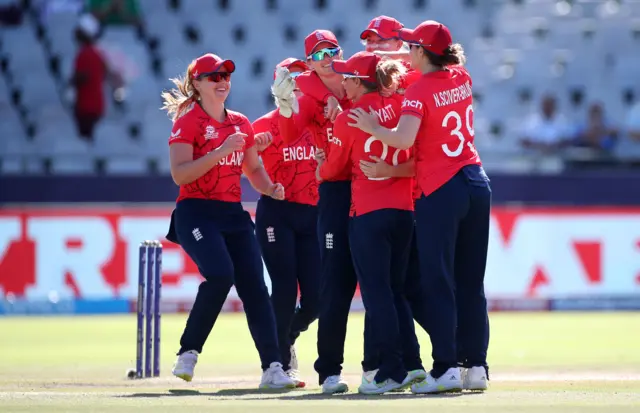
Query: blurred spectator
x=89, y=75
x=633, y=122
x=597, y=133
x=546, y=131
x=117, y=12
x=11, y=14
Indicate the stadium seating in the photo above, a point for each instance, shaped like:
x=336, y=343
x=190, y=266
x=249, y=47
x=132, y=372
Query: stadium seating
x=581, y=50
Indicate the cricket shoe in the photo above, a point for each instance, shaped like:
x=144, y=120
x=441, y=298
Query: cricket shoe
x=185, y=364
x=415, y=376
x=474, y=378
x=293, y=363
x=373, y=387
x=334, y=384
x=448, y=382
x=275, y=378
x=369, y=376
x=295, y=376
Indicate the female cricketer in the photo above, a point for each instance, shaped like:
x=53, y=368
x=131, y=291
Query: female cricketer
x=210, y=147
x=287, y=229
x=452, y=214
x=338, y=278
x=382, y=209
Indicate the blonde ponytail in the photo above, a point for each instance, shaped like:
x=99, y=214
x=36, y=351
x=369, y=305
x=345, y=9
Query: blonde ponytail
x=178, y=99
x=389, y=71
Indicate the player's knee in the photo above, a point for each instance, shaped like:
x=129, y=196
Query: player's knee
x=211, y=287
x=249, y=292
x=219, y=274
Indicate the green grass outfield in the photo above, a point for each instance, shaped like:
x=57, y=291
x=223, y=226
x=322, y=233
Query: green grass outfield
x=542, y=362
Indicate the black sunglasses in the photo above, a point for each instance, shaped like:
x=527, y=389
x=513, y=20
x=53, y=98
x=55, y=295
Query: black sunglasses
x=215, y=76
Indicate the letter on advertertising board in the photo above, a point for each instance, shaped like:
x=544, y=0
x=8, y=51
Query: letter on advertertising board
x=77, y=260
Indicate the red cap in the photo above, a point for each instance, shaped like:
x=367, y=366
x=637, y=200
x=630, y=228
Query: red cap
x=384, y=26
x=317, y=37
x=210, y=63
x=433, y=36
x=290, y=62
x=361, y=65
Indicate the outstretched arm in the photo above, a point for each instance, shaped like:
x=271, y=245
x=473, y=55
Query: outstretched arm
x=380, y=169
x=258, y=177
x=402, y=136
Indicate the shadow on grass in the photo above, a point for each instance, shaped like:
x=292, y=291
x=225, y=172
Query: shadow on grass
x=360, y=397
x=284, y=394
x=218, y=393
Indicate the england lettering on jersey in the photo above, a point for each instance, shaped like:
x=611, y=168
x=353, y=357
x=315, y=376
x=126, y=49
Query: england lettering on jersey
x=234, y=159
x=298, y=153
x=290, y=163
x=204, y=134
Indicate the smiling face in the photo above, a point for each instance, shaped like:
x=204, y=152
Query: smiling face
x=322, y=64
x=375, y=42
x=214, y=87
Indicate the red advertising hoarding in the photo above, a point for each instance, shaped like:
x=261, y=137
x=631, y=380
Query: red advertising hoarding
x=91, y=253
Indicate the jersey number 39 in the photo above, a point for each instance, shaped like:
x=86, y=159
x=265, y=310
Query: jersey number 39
x=457, y=131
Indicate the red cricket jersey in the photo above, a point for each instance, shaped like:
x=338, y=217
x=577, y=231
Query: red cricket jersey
x=293, y=164
x=205, y=134
x=311, y=116
x=444, y=143
x=351, y=145
x=311, y=85
x=408, y=79
x=90, y=95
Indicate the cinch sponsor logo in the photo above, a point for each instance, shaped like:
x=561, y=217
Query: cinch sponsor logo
x=335, y=140
x=416, y=104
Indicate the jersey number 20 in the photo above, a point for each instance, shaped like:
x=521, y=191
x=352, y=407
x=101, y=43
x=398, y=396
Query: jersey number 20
x=457, y=131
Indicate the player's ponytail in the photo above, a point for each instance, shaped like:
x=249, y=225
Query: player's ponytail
x=388, y=72
x=176, y=100
x=453, y=55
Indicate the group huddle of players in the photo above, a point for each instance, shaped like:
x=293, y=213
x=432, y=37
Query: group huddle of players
x=369, y=176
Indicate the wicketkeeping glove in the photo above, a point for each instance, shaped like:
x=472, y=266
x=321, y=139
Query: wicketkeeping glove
x=282, y=91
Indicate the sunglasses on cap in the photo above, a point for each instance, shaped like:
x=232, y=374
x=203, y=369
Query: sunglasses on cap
x=320, y=54
x=378, y=45
x=215, y=76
